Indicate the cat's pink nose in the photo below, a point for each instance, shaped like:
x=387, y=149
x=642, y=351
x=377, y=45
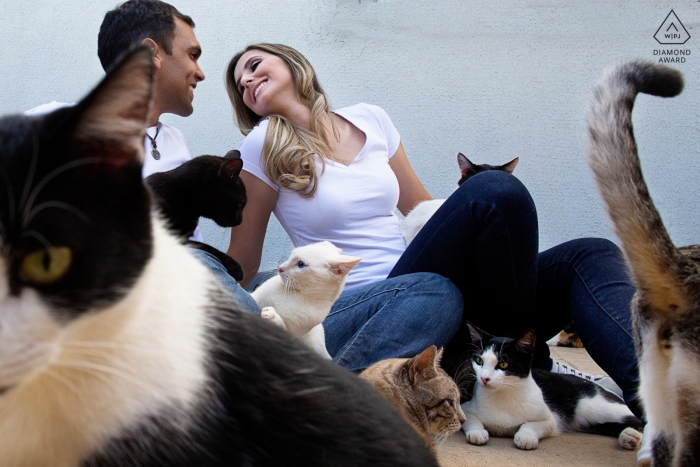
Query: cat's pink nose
x=280, y=270
x=485, y=380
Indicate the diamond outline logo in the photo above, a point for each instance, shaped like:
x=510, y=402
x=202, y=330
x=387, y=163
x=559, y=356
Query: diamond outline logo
x=672, y=26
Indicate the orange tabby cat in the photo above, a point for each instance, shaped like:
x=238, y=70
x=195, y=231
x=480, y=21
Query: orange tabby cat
x=422, y=391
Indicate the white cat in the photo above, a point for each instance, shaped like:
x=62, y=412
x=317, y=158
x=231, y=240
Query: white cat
x=300, y=297
x=416, y=219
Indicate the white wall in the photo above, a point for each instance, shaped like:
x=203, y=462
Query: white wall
x=493, y=80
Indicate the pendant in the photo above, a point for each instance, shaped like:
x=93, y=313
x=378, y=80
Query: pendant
x=155, y=154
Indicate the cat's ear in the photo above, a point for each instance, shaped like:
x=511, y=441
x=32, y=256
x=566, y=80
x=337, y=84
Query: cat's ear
x=423, y=365
x=526, y=341
x=111, y=120
x=465, y=165
x=438, y=357
x=344, y=264
x=476, y=334
x=233, y=154
x=510, y=166
x=230, y=168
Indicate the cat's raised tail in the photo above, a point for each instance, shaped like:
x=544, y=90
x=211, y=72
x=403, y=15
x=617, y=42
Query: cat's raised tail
x=613, y=156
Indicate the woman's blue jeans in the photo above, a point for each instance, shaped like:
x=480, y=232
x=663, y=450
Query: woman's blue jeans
x=484, y=239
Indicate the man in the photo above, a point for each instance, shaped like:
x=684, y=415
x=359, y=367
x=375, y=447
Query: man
x=170, y=35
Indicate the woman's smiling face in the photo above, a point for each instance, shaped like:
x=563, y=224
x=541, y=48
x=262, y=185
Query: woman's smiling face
x=265, y=82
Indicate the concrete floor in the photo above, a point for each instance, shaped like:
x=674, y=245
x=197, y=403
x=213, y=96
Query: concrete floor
x=571, y=449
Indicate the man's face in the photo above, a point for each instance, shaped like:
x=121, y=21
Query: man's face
x=179, y=72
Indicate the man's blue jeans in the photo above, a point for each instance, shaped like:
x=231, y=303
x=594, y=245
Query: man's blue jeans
x=229, y=283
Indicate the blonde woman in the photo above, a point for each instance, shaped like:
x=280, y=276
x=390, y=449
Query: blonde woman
x=339, y=175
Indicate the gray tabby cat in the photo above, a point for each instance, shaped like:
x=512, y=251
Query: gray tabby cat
x=422, y=392
x=666, y=307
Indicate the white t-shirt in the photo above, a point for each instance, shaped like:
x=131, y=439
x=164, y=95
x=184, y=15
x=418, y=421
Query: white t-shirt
x=354, y=205
x=170, y=142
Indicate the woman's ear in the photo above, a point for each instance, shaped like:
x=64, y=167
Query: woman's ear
x=156, y=51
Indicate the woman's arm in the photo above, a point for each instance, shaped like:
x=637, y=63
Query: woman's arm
x=247, y=239
x=411, y=190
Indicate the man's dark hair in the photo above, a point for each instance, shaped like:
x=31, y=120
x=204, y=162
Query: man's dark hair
x=132, y=22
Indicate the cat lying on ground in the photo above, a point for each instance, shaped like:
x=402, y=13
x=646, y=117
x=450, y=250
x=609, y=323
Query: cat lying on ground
x=419, y=215
x=666, y=306
x=300, y=297
x=424, y=394
x=511, y=398
x=119, y=348
x=206, y=186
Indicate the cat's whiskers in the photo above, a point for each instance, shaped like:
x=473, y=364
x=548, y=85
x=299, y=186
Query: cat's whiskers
x=461, y=369
x=10, y=199
x=32, y=167
x=56, y=375
x=102, y=372
x=27, y=206
x=55, y=204
x=33, y=233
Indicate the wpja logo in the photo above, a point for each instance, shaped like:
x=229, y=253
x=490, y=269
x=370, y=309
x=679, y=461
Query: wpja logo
x=672, y=32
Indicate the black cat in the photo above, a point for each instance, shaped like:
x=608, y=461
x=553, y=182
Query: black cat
x=119, y=348
x=206, y=186
x=469, y=169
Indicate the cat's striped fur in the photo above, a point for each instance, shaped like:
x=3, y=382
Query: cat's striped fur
x=666, y=306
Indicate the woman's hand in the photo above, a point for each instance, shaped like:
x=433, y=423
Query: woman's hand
x=247, y=239
x=411, y=190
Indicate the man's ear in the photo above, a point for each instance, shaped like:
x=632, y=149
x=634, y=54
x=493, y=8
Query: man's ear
x=156, y=51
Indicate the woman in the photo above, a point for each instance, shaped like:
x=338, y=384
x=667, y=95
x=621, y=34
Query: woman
x=338, y=175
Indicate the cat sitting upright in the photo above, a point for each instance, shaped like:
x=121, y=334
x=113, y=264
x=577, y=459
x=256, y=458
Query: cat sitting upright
x=511, y=398
x=119, y=348
x=300, y=297
x=666, y=305
x=424, y=394
x=419, y=215
x=206, y=186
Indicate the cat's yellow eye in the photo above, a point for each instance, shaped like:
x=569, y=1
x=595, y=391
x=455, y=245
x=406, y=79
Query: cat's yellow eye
x=502, y=365
x=479, y=361
x=47, y=265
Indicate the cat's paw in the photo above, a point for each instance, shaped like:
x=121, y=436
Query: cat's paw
x=630, y=438
x=270, y=314
x=477, y=437
x=525, y=440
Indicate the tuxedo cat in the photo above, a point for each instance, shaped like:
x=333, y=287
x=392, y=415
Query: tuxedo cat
x=512, y=399
x=424, y=394
x=118, y=347
x=206, y=186
x=419, y=215
x=666, y=305
x=300, y=297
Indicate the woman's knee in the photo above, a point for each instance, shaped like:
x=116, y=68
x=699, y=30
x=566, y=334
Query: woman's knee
x=495, y=184
x=597, y=246
x=498, y=190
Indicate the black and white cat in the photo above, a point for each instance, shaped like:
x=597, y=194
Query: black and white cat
x=117, y=347
x=419, y=215
x=206, y=186
x=300, y=297
x=512, y=399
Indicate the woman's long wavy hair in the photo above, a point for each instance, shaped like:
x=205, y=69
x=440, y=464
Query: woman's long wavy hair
x=289, y=152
